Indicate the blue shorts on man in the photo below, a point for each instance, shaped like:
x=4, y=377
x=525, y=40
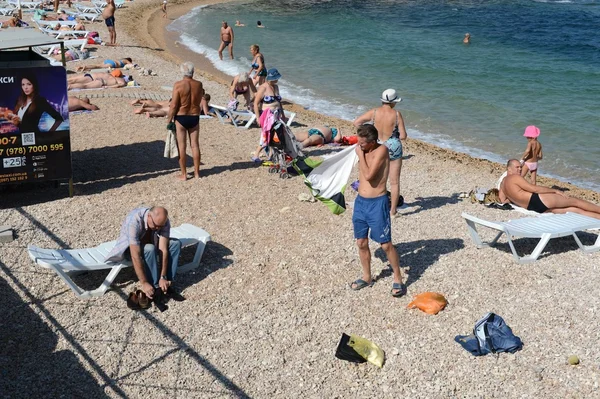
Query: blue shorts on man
x=372, y=214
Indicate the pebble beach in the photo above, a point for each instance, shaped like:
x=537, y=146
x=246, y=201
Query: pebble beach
x=267, y=306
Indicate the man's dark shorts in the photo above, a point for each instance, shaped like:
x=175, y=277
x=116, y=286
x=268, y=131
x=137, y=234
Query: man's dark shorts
x=110, y=21
x=372, y=214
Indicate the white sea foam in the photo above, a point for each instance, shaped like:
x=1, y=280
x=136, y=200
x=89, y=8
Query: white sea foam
x=295, y=93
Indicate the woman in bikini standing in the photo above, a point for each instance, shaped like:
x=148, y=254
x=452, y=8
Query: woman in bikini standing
x=390, y=125
x=258, y=66
x=267, y=96
x=242, y=84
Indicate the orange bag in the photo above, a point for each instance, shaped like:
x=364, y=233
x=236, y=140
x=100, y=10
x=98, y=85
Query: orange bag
x=429, y=302
x=349, y=140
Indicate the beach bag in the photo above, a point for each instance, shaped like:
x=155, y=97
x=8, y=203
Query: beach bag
x=429, y=302
x=349, y=140
x=490, y=335
x=357, y=349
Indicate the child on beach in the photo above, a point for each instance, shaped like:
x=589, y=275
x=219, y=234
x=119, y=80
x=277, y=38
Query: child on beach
x=532, y=154
x=164, y=8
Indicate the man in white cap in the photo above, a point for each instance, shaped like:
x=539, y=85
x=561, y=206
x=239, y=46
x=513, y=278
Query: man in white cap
x=390, y=125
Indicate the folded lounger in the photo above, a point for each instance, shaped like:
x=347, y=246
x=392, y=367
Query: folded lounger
x=544, y=228
x=63, y=261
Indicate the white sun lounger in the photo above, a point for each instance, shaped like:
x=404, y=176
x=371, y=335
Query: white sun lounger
x=245, y=119
x=73, y=44
x=88, y=9
x=25, y=4
x=544, y=228
x=7, y=11
x=63, y=261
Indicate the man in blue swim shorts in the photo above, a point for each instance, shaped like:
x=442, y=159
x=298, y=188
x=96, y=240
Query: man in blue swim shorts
x=109, y=19
x=372, y=209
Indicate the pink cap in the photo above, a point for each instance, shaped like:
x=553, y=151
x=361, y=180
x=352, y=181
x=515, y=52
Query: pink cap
x=531, y=131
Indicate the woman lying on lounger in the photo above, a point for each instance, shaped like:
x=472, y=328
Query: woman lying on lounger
x=97, y=81
x=319, y=136
x=106, y=64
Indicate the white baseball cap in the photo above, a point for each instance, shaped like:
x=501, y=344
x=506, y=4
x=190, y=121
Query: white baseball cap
x=390, y=96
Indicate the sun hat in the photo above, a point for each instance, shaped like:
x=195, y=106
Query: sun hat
x=531, y=131
x=273, y=74
x=390, y=96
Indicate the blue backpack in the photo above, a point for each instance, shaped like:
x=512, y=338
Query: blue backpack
x=490, y=335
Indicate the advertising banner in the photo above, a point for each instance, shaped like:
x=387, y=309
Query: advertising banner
x=34, y=125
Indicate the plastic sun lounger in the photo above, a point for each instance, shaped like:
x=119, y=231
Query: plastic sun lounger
x=544, y=228
x=73, y=44
x=60, y=34
x=88, y=9
x=7, y=11
x=46, y=24
x=63, y=261
x=25, y=4
x=245, y=119
x=88, y=16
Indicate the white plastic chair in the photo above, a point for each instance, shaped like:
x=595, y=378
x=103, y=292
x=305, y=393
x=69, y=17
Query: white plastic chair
x=63, y=261
x=544, y=228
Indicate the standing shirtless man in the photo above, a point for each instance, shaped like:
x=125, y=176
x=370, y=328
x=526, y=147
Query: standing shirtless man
x=514, y=188
x=372, y=209
x=185, y=111
x=109, y=19
x=226, y=40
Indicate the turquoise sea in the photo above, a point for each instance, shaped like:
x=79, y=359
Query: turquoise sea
x=530, y=62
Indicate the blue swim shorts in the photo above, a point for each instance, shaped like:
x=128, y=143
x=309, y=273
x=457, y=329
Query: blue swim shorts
x=110, y=21
x=394, y=146
x=372, y=214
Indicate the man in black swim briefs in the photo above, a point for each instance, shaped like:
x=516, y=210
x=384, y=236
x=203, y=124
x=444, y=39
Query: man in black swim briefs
x=226, y=39
x=185, y=112
x=540, y=199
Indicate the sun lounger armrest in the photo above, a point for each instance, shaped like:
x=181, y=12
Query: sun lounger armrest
x=483, y=222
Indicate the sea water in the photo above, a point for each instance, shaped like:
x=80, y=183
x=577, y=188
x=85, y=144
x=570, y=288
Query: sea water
x=529, y=63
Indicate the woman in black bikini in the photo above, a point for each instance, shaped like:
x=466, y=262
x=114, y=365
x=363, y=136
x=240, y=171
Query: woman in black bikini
x=258, y=66
x=242, y=84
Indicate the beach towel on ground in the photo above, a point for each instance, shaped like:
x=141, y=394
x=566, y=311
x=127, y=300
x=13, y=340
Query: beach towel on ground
x=327, y=179
x=171, y=150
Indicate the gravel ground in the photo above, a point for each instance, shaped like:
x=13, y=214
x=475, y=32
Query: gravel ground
x=267, y=307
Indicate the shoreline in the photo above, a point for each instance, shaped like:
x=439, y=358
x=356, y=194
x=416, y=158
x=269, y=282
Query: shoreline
x=159, y=37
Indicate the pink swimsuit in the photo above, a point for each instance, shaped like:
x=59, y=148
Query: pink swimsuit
x=532, y=166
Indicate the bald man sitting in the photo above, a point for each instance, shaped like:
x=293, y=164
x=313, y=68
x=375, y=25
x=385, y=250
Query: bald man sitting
x=539, y=199
x=144, y=239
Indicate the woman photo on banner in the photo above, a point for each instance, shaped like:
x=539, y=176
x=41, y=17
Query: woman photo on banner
x=31, y=106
